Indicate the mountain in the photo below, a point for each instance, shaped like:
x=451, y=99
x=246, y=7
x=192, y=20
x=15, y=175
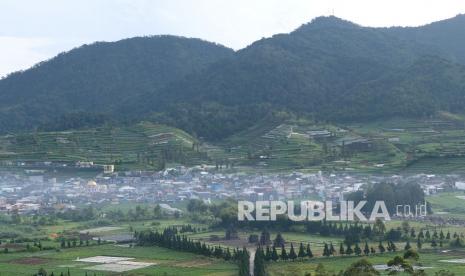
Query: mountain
x=94, y=79
x=448, y=36
x=327, y=70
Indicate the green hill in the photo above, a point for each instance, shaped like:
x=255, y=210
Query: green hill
x=412, y=145
x=143, y=145
x=329, y=70
x=97, y=83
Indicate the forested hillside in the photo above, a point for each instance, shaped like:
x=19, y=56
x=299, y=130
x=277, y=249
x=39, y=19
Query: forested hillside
x=88, y=83
x=327, y=70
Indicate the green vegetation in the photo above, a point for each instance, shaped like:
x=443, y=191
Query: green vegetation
x=329, y=70
x=432, y=145
x=143, y=145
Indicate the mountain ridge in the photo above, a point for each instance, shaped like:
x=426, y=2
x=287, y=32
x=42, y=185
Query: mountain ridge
x=327, y=69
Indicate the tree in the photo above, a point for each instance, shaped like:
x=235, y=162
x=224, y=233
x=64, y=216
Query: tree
x=419, y=243
x=274, y=254
x=292, y=254
x=405, y=227
x=326, y=252
x=279, y=240
x=357, y=250
x=349, y=250
x=366, y=250
x=301, y=253
x=457, y=242
x=407, y=246
x=398, y=263
x=284, y=255
x=309, y=252
x=341, y=249
x=411, y=254
x=244, y=267
x=265, y=237
x=41, y=272
x=361, y=268
x=379, y=228
x=332, y=251
x=381, y=247
x=157, y=212
x=259, y=263
x=253, y=238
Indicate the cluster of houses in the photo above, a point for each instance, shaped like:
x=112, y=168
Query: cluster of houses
x=28, y=191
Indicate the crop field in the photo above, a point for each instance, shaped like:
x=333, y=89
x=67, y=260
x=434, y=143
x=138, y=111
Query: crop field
x=423, y=145
x=151, y=260
x=141, y=145
x=431, y=260
x=449, y=204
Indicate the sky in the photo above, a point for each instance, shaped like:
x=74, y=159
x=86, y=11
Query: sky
x=35, y=30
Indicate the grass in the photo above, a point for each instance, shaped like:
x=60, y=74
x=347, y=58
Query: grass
x=428, y=258
x=168, y=261
x=449, y=203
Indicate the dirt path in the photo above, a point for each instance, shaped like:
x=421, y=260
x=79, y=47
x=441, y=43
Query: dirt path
x=251, y=259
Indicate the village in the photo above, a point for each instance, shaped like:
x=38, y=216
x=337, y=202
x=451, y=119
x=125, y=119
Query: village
x=33, y=191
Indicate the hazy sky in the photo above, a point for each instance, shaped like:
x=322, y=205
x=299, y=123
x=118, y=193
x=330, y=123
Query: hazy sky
x=35, y=30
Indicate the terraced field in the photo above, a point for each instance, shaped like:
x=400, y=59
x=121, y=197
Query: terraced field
x=141, y=145
x=423, y=145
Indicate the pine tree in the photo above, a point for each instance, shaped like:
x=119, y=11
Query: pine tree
x=349, y=250
x=407, y=246
x=274, y=254
x=412, y=233
x=433, y=243
x=259, y=263
x=332, y=251
x=292, y=254
x=301, y=253
x=326, y=250
x=366, y=250
x=419, y=244
x=244, y=267
x=268, y=254
x=309, y=252
x=448, y=235
x=341, y=249
x=227, y=255
x=284, y=255
x=381, y=247
x=357, y=250
x=279, y=240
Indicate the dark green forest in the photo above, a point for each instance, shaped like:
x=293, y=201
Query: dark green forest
x=327, y=70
